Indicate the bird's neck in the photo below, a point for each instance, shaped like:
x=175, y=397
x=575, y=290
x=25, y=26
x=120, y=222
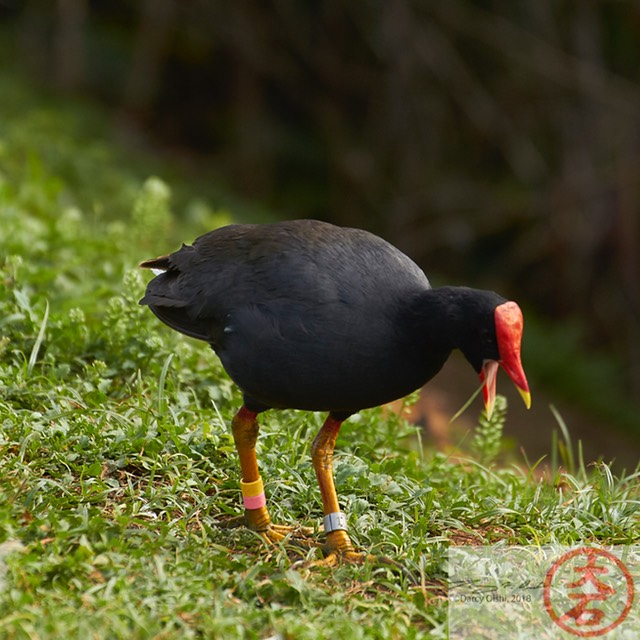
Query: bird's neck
x=439, y=318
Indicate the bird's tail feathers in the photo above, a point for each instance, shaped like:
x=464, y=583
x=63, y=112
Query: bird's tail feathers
x=163, y=263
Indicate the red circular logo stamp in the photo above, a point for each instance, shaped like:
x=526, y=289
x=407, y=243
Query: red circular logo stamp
x=588, y=592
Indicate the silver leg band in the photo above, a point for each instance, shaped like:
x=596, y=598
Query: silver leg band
x=335, y=522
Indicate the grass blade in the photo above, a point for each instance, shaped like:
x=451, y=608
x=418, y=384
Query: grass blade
x=466, y=405
x=161, y=383
x=38, y=343
x=569, y=458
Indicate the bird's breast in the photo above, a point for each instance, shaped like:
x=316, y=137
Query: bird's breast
x=322, y=359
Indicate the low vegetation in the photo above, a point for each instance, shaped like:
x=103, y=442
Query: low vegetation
x=118, y=474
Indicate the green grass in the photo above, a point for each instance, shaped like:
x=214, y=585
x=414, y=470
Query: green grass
x=117, y=467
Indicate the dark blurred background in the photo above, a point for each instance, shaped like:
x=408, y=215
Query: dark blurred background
x=496, y=142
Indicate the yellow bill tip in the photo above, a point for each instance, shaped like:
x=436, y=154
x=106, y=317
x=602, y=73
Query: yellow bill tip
x=526, y=397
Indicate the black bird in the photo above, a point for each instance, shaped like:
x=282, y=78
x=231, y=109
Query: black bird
x=307, y=315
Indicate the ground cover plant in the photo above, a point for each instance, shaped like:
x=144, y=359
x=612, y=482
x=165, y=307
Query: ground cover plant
x=118, y=472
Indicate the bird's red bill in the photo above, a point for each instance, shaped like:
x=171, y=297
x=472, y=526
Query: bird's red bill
x=488, y=376
x=509, y=325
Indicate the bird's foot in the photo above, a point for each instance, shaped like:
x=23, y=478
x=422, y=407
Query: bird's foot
x=336, y=558
x=258, y=520
x=276, y=533
x=338, y=550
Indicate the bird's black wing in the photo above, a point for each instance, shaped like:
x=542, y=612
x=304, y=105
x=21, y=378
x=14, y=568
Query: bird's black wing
x=305, y=262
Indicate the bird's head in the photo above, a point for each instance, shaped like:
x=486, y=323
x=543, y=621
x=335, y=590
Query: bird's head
x=494, y=342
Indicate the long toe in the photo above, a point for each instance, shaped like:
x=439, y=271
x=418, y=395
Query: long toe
x=338, y=557
x=295, y=531
x=277, y=533
x=260, y=522
x=338, y=549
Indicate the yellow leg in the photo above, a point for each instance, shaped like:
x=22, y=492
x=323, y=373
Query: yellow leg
x=245, y=434
x=338, y=547
x=244, y=427
x=338, y=543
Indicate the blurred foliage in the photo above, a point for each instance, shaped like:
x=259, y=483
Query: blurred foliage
x=498, y=143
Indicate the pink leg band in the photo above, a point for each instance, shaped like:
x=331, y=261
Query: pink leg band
x=253, y=494
x=254, y=502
